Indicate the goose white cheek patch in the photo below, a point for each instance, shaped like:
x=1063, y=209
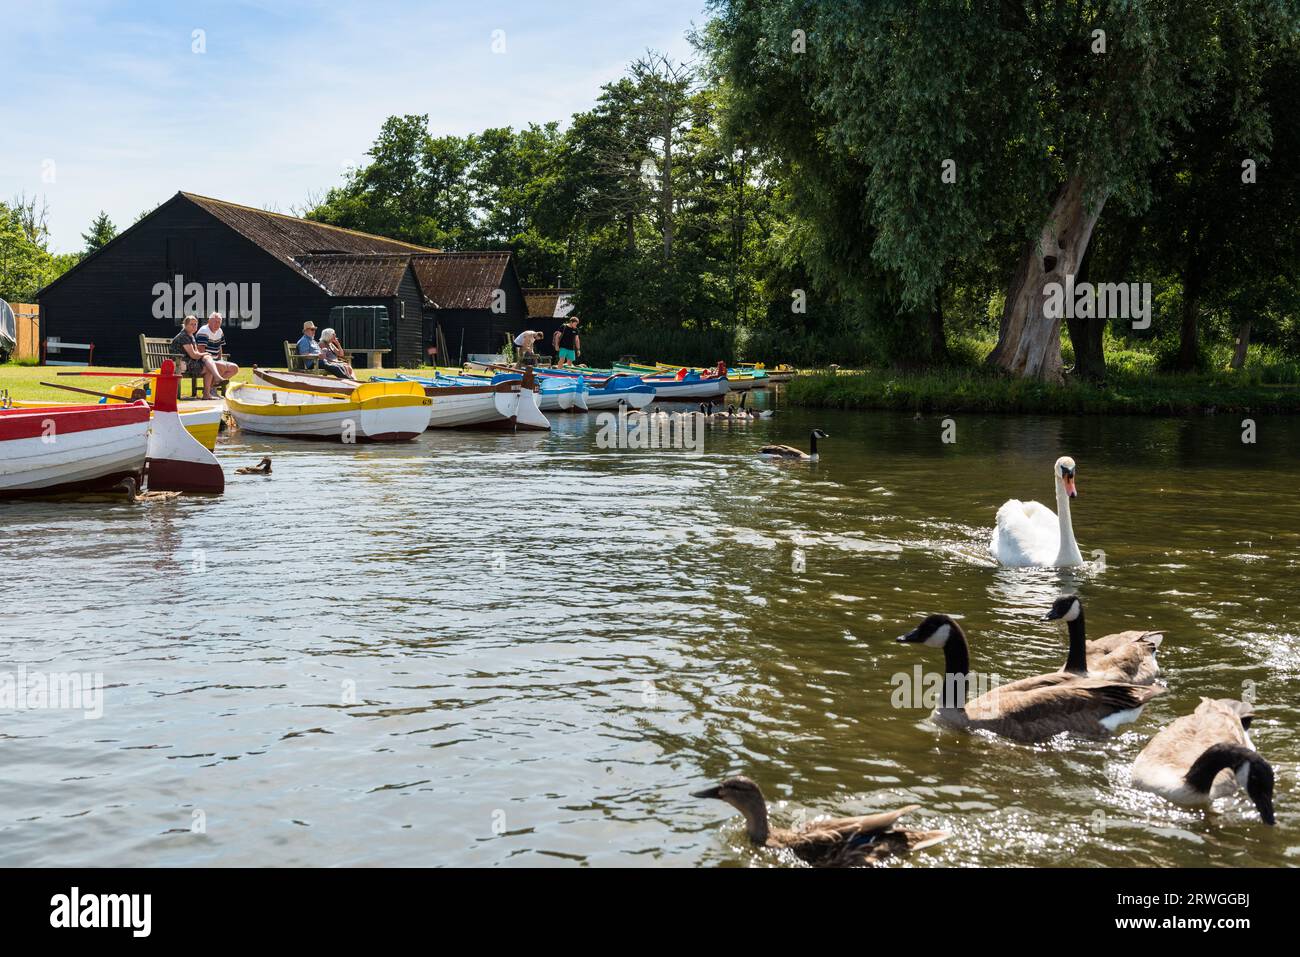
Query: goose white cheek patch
x=1073, y=613
x=940, y=636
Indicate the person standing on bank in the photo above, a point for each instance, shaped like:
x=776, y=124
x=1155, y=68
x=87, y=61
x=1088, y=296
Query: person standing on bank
x=212, y=340
x=568, y=345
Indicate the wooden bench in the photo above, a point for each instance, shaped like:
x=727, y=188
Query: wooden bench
x=371, y=358
x=154, y=351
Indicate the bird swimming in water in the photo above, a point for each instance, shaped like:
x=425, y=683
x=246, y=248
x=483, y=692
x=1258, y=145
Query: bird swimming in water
x=261, y=468
x=835, y=842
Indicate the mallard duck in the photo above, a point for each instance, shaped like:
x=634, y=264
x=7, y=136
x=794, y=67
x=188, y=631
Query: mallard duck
x=261, y=468
x=837, y=842
x=1206, y=755
x=1123, y=656
x=790, y=452
x=1031, y=709
x=133, y=493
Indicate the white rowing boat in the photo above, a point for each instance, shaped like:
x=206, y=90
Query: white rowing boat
x=373, y=412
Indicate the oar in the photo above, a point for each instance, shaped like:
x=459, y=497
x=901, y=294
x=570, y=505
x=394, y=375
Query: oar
x=73, y=388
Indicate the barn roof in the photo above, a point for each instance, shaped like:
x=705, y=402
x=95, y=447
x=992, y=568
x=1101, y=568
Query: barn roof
x=462, y=280
x=288, y=237
x=373, y=275
x=548, y=303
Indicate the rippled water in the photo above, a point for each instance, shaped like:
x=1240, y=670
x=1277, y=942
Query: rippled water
x=483, y=650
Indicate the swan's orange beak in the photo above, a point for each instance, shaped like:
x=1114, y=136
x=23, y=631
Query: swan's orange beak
x=1068, y=481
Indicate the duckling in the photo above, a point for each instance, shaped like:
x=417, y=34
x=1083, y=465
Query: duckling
x=790, y=452
x=261, y=468
x=133, y=493
x=1206, y=755
x=1031, y=709
x=1123, y=656
x=839, y=842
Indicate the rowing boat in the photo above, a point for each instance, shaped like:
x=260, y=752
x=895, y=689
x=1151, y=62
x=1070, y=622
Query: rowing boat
x=372, y=412
x=203, y=424
x=740, y=380
x=57, y=449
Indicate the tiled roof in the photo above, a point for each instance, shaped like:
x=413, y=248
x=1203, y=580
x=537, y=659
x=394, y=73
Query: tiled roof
x=376, y=275
x=289, y=238
x=461, y=280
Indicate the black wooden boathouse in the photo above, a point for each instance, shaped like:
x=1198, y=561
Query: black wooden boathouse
x=268, y=273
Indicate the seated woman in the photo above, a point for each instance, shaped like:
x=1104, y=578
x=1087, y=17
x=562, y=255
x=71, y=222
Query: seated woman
x=193, y=359
x=332, y=357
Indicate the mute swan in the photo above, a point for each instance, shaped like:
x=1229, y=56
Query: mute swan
x=1029, y=533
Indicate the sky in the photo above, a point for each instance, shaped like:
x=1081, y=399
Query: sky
x=117, y=106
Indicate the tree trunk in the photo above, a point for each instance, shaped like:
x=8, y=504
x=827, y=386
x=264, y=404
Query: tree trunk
x=1086, y=337
x=1029, y=342
x=1243, y=343
x=938, y=342
x=1188, y=353
x=666, y=192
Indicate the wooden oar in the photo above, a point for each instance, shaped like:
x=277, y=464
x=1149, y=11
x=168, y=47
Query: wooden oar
x=102, y=395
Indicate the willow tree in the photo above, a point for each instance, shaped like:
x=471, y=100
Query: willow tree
x=969, y=117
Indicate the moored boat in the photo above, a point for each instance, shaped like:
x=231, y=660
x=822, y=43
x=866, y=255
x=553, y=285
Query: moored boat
x=373, y=412
x=49, y=450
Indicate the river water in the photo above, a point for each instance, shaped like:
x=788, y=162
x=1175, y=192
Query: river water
x=527, y=650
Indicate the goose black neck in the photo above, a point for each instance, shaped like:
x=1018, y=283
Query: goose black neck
x=1214, y=759
x=1077, y=662
x=812, y=444
x=956, y=667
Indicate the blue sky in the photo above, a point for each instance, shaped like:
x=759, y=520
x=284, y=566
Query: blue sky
x=107, y=106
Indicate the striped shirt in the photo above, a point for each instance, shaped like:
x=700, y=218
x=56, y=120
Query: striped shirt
x=205, y=338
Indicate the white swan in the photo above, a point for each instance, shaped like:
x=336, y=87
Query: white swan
x=1029, y=533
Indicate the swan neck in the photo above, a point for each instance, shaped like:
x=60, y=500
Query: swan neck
x=1077, y=662
x=1068, y=553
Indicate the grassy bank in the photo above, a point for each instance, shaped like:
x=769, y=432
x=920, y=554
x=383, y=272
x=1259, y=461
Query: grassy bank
x=24, y=382
x=978, y=390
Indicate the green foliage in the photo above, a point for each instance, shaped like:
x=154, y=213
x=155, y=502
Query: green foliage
x=26, y=264
x=102, y=232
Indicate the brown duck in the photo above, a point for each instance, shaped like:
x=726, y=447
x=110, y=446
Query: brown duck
x=1123, y=656
x=261, y=468
x=1031, y=709
x=837, y=842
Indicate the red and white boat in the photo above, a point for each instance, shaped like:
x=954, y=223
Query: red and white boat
x=91, y=448
x=71, y=448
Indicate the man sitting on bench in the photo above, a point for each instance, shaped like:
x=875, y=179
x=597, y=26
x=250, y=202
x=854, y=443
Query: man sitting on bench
x=307, y=345
x=212, y=339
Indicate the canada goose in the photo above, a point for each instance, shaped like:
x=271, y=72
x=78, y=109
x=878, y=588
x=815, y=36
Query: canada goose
x=1123, y=656
x=1031, y=709
x=1029, y=533
x=790, y=452
x=261, y=468
x=134, y=494
x=1206, y=755
x=839, y=842
x=751, y=413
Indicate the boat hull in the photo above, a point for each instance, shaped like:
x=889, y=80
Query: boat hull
x=57, y=450
x=374, y=412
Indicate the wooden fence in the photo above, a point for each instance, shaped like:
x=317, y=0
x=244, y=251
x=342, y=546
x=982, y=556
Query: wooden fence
x=27, y=315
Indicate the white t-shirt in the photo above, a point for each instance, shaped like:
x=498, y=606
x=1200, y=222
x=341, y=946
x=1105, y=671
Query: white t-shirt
x=209, y=340
x=519, y=339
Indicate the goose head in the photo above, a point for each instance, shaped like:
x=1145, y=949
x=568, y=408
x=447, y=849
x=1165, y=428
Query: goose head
x=1067, y=608
x=1256, y=776
x=1063, y=471
x=934, y=632
x=819, y=434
